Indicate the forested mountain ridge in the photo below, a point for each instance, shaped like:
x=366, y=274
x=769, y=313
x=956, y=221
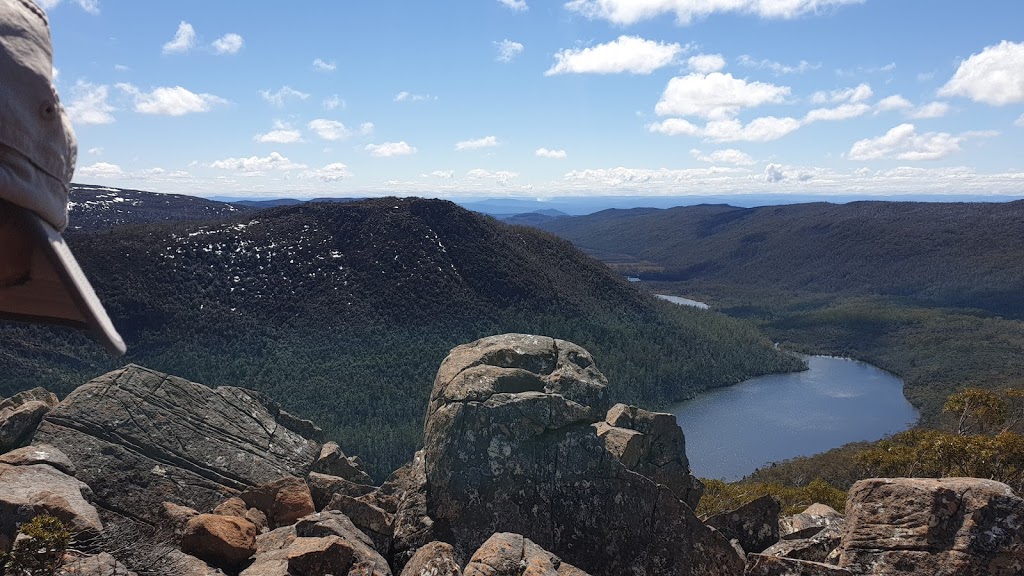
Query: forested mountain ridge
x=101, y=207
x=949, y=254
x=343, y=311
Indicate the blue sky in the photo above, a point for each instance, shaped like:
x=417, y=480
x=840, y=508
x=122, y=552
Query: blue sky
x=522, y=98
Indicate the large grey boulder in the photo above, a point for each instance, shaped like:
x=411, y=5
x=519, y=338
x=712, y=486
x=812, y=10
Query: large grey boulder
x=140, y=437
x=947, y=526
x=814, y=516
x=28, y=491
x=21, y=414
x=510, y=447
x=755, y=525
x=506, y=554
x=815, y=548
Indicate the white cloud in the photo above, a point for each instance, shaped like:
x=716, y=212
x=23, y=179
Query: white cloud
x=625, y=54
x=931, y=110
x=706, y=63
x=90, y=6
x=625, y=12
x=253, y=164
x=773, y=173
x=508, y=50
x=183, y=41
x=281, y=134
x=716, y=96
x=851, y=95
x=1020, y=121
x=410, y=97
x=503, y=177
x=95, y=151
x=333, y=102
x=324, y=66
x=777, y=67
x=485, y=142
x=282, y=95
x=995, y=76
x=329, y=129
x=89, y=104
x=228, y=44
x=517, y=5
x=100, y=170
x=121, y=68
x=727, y=156
x=390, y=149
x=329, y=173
x=904, y=143
x=553, y=154
x=171, y=101
x=442, y=174
x=894, y=102
x=763, y=129
x=841, y=112
x=366, y=129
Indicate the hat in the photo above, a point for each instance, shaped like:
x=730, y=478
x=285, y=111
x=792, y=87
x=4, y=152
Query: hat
x=39, y=277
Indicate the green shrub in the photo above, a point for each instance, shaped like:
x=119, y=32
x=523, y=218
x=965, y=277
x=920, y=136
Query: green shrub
x=40, y=552
x=722, y=497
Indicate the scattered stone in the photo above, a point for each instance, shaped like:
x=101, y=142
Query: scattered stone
x=374, y=522
x=140, y=438
x=433, y=559
x=233, y=506
x=39, y=454
x=755, y=524
x=284, y=500
x=762, y=565
x=333, y=462
x=18, y=423
x=815, y=516
x=366, y=560
x=258, y=519
x=181, y=564
x=510, y=447
x=222, y=541
x=101, y=564
x=37, y=394
x=505, y=554
x=322, y=487
x=948, y=526
x=178, y=517
x=404, y=495
x=28, y=491
x=271, y=553
x=814, y=548
x=319, y=556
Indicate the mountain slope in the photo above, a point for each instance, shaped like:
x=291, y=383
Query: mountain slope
x=344, y=311
x=100, y=207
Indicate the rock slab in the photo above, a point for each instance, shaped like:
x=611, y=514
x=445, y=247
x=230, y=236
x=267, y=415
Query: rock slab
x=755, y=525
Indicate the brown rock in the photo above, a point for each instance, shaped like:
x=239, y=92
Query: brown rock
x=272, y=553
x=367, y=561
x=762, y=565
x=433, y=559
x=947, y=526
x=101, y=564
x=233, y=506
x=754, y=525
x=28, y=491
x=319, y=556
x=178, y=516
x=505, y=554
x=39, y=454
x=222, y=541
x=19, y=422
x=374, y=522
x=322, y=487
x=37, y=394
x=333, y=462
x=181, y=564
x=284, y=500
x=258, y=518
x=404, y=494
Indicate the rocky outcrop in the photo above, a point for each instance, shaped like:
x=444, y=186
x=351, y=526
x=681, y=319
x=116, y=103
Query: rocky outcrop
x=29, y=491
x=948, y=526
x=39, y=454
x=140, y=438
x=333, y=462
x=754, y=525
x=814, y=516
x=505, y=554
x=651, y=443
x=222, y=541
x=404, y=495
x=433, y=559
x=323, y=487
x=21, y=414
x=283, y=501
x=815, y=548
x=510, y=447
x=372, y=520
x=762, y=565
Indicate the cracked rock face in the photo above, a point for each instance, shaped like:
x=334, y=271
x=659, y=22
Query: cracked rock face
x=140, y=437
x=948, y=526
x=510, y=447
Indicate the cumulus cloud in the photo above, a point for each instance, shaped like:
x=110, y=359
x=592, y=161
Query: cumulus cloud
x=390, y=149
x=282, y=95
x=777, y=68
x=852, y=95
x=254, y=164
x=442, y=174
x=930, y=110
x=516, y=5
x=904, y=143
x=508, y=50
x=727, y=156
x=324, y=66
x=100, y=170
x=553, y=154
x=281, y=134
x=329, y=129
x=90, y=6
x=485, y=142
x=329, y=173
x=994, y=76
x=894, y=102
x=502, y=177
x=841, y=112
x=171, y=101
x=765, y=129
x=625, y=12
x=228, y=44
x=625, y=54
x=183, y=41
x=366, y=129
x=716, y=95
x=89, y=104
x=410, y=97
x=706, y=63
x=332, y=102
x=773, y=173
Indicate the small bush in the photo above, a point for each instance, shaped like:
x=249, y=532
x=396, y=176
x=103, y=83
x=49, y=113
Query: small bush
x=40, y=552
x=722, y=497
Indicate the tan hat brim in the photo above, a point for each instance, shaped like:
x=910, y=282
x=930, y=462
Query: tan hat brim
x=57, y=290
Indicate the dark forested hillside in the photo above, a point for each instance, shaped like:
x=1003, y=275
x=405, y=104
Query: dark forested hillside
x=343, y=312
x=949, y=254
x=99, y=208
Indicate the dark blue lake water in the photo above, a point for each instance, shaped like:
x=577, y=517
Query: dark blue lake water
x=732, y=431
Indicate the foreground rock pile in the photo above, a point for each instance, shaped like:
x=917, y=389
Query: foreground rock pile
x=526, y=470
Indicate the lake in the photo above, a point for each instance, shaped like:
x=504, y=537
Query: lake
x=732, y=431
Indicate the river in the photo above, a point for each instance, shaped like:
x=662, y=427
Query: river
x=732, y=431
